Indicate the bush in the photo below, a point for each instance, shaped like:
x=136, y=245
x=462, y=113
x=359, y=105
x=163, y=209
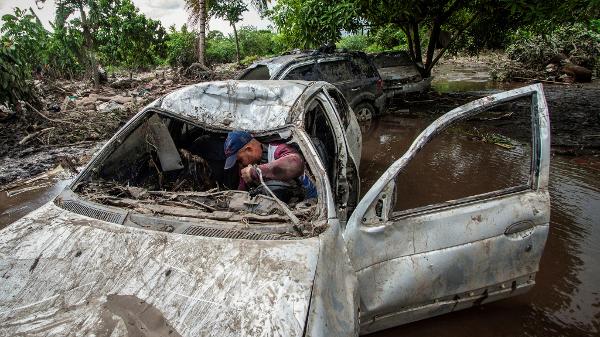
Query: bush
x=24, y=32
x=354, y=42
x=258, y=42
x=181, y=47
x=389, y=37
x=219, y=49
x=64, y=53
x=14, y=78
x=579, y=42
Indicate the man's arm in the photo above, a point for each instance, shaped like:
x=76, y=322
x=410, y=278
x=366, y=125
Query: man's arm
x=288, y=165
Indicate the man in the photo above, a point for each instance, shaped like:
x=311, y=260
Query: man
x=276, y=161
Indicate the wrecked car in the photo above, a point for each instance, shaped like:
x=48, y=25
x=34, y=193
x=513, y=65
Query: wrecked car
x=150, y=236
x=353, y=73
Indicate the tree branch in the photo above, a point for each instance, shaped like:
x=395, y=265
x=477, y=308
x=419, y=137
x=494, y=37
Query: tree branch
x=452, y=40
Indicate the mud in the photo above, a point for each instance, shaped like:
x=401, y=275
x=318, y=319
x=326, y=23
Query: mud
x=141, y=318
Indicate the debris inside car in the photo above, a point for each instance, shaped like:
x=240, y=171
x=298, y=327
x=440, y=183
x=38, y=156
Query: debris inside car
x=170, y=168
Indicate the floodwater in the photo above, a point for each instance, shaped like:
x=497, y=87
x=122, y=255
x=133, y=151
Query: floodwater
x=471, y=159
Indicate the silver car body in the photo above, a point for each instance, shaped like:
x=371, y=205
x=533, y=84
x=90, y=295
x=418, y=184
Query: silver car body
x=76, y=273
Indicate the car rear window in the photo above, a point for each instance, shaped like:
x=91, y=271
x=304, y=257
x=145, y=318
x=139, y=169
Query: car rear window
x=260, y=72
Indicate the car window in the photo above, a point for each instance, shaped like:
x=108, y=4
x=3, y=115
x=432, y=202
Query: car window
x=367, y=70
x=335, y=71
x=490, y=153
x=260, y=72
x=302, y=73
x=341, y=106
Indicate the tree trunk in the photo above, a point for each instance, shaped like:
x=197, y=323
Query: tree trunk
x=89, y=44
x=237, y=43
x=433, y=38
x=201, y=31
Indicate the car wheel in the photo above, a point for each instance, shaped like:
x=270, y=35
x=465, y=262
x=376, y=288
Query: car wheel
x=364, y=111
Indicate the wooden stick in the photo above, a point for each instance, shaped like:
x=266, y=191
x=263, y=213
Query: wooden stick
x=535, y=79
x=34, y=134
x=44, y=116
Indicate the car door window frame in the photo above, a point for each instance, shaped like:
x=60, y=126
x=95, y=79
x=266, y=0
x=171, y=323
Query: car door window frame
x=343, y=155
x=378, y=201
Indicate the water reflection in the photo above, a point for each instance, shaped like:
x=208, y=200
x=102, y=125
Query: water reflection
x=566, y=299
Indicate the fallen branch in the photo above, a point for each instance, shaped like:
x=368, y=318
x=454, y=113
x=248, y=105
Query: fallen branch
x=538, y=80
x=34, y=134
x=45, y=117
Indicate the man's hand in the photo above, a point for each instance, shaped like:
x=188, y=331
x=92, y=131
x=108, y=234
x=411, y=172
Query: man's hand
x=247, y=174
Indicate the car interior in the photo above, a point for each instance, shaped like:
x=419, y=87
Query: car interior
x=171, y=167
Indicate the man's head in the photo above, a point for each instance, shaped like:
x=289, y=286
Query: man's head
x=241, y=147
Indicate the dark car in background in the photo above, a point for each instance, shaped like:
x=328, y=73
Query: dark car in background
x=399, y=74
x=353, y=73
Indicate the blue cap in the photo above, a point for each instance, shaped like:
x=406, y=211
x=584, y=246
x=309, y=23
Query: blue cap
x=234, y=142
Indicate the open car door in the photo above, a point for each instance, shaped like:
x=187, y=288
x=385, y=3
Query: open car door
x=452, y=255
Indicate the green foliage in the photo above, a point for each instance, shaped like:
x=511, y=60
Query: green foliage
x=228, y=10
x=258, y=42
x=25, y=33
x=310, y=23
x=389, y=37
x=219, y=49
x=181, y=47
x=253, y=43
x=127, y=38
x=354, y=42
x=64, y=57
x=248, y=60
x=579, y=42
x=14, y=78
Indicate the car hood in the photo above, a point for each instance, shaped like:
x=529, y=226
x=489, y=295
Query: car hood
x=66, y=274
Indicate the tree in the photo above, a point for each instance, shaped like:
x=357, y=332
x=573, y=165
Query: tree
x=23, y=30
x=127, y=38
x=67, y=8
x=198, y=14
x=313, y=22
x=231, y=11
x=310, y=23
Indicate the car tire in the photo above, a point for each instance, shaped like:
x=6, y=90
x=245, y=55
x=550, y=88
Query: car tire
x=364, y=111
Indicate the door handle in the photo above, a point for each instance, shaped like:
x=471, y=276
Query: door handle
x=519, y=227
x=355, y=89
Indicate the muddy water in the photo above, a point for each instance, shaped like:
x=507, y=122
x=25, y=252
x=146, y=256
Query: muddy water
x=26, y=198
x=566, y=299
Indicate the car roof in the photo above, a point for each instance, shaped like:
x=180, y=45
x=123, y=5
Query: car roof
x=278, y=63
x=237, y=104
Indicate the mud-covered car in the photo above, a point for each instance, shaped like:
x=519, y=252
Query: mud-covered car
x=399, y=74
x=352, y=73
x=150, y=238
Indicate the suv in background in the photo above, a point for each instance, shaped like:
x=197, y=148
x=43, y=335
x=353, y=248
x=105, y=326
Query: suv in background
x=353, y=73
